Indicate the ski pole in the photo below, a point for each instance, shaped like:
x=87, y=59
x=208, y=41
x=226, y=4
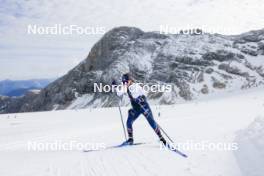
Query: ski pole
x=122, y=121
x=121, y=116
x=165, y=133
x=158, y=125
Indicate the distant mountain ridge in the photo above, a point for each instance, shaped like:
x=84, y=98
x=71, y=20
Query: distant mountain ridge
x=20, y=87
x=21, y=91
x=195, y=65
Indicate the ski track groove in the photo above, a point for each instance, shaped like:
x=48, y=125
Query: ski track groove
x=131, y=164
x=86, y=168
x=140, y=160
x=100, y=166
x=113, y=166
x=139, y=163
x=104, y=166
x=91, y=169
x=147, y=160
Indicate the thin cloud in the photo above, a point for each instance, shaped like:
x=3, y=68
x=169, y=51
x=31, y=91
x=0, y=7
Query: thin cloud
x=15, y=16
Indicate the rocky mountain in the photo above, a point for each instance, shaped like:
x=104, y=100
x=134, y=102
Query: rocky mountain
x=195, y=65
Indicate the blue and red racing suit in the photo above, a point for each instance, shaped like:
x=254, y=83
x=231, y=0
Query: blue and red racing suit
x=140, y=106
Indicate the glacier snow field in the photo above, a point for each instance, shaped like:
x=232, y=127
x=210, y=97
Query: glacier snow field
x=226, y=119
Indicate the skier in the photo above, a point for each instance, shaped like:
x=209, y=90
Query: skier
x=140, y=106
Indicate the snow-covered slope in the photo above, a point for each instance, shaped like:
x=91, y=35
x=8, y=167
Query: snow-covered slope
x=212, y=119
x=250, y=155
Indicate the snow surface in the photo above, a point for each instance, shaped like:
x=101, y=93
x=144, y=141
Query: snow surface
x=250, y=155
x=224, y=118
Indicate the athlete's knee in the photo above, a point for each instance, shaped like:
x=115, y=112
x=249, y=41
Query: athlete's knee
x=148, y=114
x=151, y=121
x=146, y=110
x=131, y=113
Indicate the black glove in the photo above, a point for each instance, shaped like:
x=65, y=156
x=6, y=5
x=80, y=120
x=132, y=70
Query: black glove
x=114, y=84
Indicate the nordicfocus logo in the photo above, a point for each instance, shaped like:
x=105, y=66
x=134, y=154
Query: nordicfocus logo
x=202, y=146
x=59, y=29
x=58, y=145
x=155, y=88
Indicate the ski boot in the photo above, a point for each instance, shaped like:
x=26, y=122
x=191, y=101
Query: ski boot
x=164, y=142
x=130, y=141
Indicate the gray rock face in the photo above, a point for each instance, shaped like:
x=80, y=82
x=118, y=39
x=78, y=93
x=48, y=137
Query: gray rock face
x=205, y=89
x=219, y=85
x=219, y=55
x=17, y=104
x=193, y=64
x=233, y=70
x=250, y=43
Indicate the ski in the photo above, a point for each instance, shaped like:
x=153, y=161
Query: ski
x=115, y=146
x=169, y=147
x=173, y=149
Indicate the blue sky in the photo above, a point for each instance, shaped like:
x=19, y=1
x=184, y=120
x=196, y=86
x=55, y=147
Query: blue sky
x=25, y=56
